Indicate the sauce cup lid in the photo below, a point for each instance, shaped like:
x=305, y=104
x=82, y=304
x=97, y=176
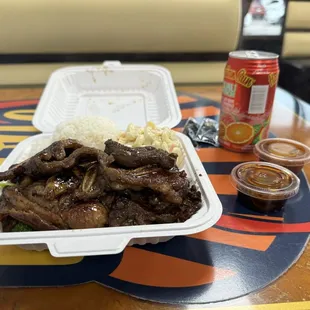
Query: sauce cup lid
x=265, y=181
x=284, y=152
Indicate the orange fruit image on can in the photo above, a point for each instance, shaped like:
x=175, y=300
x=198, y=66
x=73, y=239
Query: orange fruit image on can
x=239, y=133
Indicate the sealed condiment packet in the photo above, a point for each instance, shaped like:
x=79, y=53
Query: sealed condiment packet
x=208, y=132
x=190, y=129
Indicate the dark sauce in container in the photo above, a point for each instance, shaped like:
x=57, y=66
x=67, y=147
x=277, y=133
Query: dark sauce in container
x=288, y=153
x=264, y=187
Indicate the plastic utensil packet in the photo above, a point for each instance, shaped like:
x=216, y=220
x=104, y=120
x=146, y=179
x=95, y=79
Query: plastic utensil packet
x=208, y=132
x=190, y=129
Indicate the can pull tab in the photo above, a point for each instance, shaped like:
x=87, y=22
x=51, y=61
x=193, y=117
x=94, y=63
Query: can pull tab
x=114, y=63
x=252, y=54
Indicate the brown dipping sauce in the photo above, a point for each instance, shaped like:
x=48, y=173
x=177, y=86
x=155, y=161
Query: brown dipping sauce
x=264, y=187
x=288, y=153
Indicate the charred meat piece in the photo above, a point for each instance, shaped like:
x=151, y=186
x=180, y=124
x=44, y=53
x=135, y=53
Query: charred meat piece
x=129, y=157
x=29, y=218
x=16, y=205
x=164, y=211
x=86, y=215
x=191, y=204
x=24, y=181
x=173, y=186
x=42, y=216
x=36, y=193
x=108, y=200
x=8, y=223
x=58, y=185
x=60, y=155
x=126, y=212
x=151, y=201
x=69, y=186
x=56, y=151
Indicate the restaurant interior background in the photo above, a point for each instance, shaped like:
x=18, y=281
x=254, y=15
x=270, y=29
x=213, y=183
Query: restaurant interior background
x=283, y=27
x=192, y=38
x=41, y=37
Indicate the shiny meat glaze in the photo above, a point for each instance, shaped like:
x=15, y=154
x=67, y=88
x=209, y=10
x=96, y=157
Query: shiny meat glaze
x=129, y=157
x=69, y=186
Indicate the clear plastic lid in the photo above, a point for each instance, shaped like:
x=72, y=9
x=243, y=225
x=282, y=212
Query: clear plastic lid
x=265, y=181
x=284, y=152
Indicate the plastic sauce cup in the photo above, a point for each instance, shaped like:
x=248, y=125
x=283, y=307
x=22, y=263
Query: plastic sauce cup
x=284, y=152
x=264, y=187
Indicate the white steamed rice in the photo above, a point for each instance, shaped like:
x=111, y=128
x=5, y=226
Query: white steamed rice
x=90, y=131
x=94, y=131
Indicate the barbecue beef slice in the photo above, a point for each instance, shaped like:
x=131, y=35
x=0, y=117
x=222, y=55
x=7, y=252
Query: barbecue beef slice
x=129, y=157
x=59, y=188
x=60, y=155
x=70, y=186
x=171, y=185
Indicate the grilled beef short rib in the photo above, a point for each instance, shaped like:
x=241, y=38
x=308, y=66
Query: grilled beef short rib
x=59, y=156
x=171, y=185
x=70, y=186
x=129, y=157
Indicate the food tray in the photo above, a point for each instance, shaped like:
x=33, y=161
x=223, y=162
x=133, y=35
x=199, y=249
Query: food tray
x=112, y=240
x=106, y=86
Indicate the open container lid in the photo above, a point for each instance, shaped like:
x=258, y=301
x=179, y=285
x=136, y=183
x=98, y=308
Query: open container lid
x=123, y=93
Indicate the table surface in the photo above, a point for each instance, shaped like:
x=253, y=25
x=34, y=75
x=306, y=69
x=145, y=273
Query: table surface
x=293, y=287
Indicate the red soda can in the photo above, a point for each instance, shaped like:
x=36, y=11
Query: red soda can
x=249, y=86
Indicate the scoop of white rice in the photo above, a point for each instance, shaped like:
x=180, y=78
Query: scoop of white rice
x=91, y=131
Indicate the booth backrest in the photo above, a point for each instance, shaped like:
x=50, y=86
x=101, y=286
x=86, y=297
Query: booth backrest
x=66, y=27
x=297, y=35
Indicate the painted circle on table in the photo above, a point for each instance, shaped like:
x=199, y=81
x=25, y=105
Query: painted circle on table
x=244, y=252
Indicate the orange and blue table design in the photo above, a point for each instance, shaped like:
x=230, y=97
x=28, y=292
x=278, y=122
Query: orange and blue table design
x=242, y=253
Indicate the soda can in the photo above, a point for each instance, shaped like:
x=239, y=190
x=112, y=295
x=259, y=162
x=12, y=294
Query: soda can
x=249, y=87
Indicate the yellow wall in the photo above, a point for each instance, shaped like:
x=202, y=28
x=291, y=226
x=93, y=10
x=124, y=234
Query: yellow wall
x=45, y=26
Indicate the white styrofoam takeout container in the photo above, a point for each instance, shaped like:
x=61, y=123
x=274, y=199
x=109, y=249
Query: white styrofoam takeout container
x=123, y=93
